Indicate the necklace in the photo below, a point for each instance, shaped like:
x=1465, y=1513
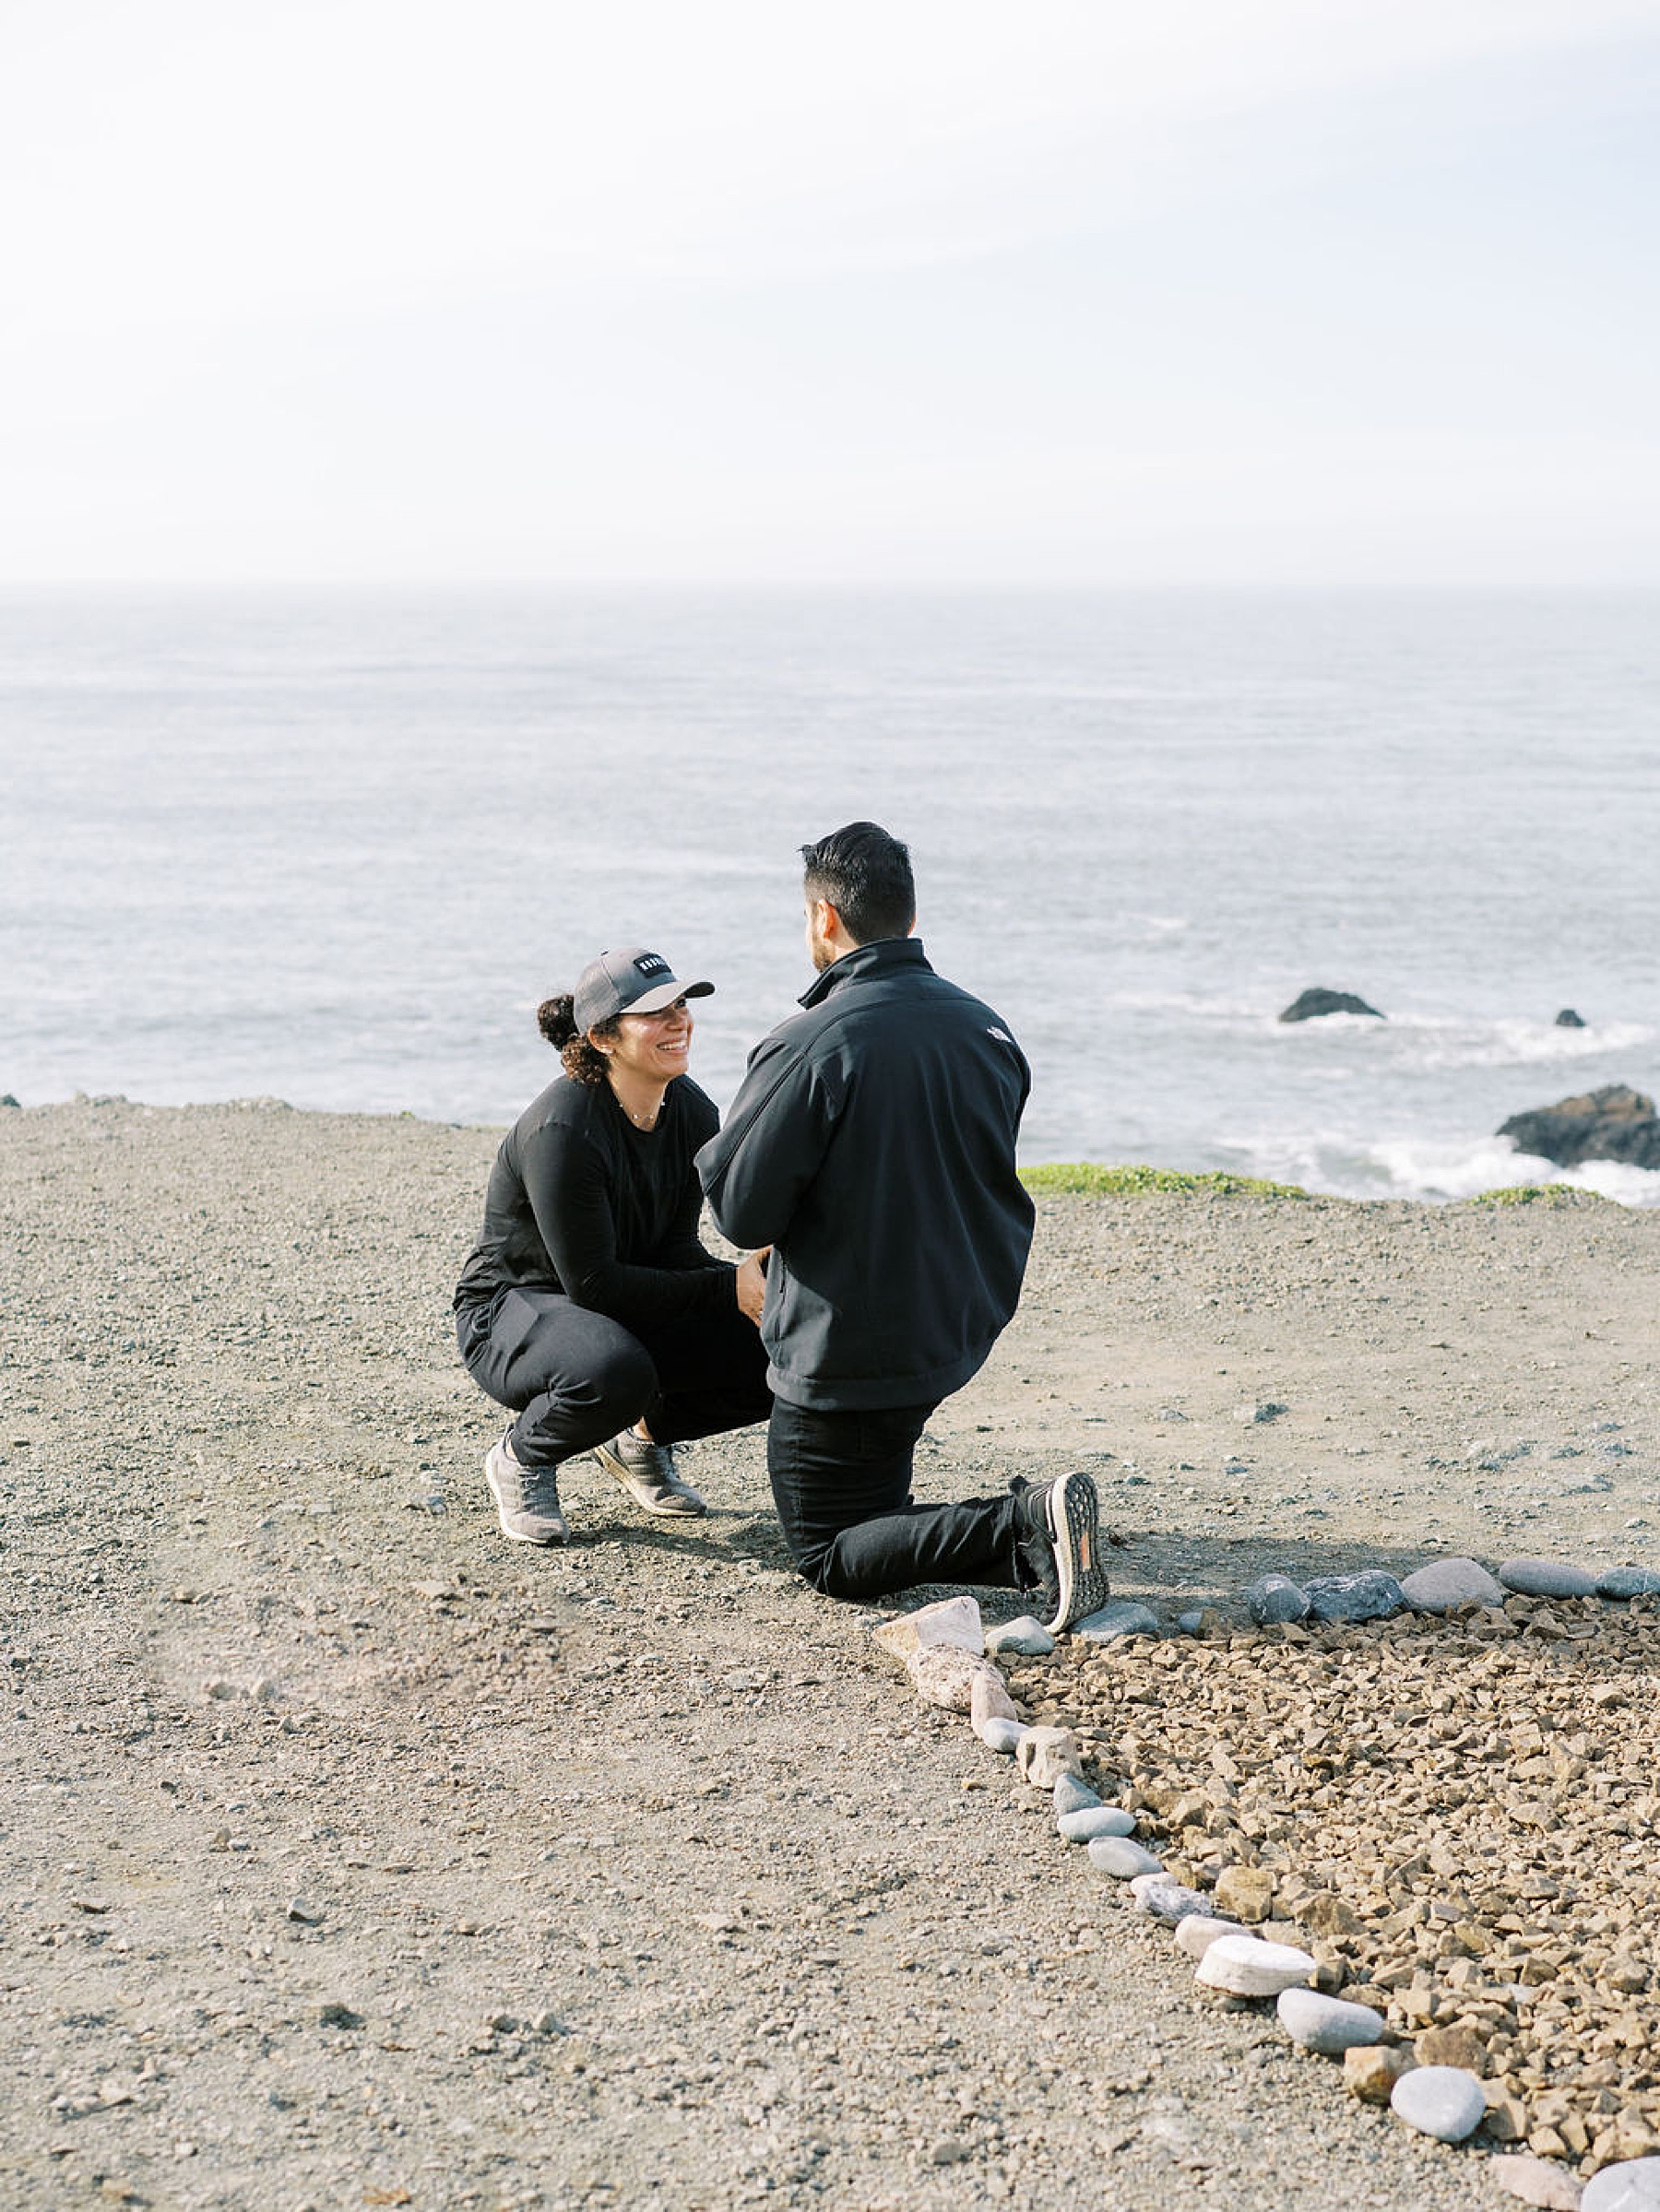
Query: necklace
x=639, y=1120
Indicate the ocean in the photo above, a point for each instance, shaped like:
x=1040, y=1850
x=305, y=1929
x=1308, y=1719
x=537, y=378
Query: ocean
x=334, y=847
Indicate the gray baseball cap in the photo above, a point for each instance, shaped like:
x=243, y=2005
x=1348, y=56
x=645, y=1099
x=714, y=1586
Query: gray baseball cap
x=630, y=982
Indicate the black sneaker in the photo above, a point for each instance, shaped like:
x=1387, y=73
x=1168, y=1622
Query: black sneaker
x=1059, y=1545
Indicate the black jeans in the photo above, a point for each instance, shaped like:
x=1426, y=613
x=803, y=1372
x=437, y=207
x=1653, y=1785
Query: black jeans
x=841, y=1482
x=574, y=1377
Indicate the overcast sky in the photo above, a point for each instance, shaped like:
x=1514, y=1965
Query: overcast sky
x=1237, y=291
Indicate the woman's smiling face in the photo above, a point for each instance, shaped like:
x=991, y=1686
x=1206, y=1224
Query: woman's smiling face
x=653, y=1046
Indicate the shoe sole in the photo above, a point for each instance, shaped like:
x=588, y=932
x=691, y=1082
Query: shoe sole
x=618, y=1469
x=516, y=1535
x=1082, y=1585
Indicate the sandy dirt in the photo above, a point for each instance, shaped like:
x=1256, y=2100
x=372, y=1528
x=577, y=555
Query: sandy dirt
x=353, y=1856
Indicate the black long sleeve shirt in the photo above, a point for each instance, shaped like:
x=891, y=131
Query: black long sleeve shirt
x=581, y=1201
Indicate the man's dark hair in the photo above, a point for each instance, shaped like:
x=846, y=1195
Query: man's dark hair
x=866, y=876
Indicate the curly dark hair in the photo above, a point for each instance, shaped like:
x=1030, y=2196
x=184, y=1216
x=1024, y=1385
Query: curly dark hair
x=556, y=1018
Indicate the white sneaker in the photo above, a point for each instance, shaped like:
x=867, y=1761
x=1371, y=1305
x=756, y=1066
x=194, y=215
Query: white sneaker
x=527, y=1498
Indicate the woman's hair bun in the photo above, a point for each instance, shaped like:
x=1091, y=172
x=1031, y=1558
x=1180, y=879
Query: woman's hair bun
x=556, y=1018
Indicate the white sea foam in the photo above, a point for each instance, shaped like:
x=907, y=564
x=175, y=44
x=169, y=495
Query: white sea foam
x=1510, y=1042
x=1418, y=1169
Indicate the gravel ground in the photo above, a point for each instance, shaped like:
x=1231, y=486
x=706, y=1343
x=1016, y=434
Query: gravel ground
x=352, y=1857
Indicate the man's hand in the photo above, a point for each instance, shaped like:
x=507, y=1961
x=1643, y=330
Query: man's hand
x=751, y=1284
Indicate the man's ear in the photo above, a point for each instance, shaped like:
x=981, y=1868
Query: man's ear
x=825, y=920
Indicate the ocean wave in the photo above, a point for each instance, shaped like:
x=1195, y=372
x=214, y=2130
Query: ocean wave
x=1432, y=1171
x=1418, y=1168
x=1510, y=1042
x=1409, y=1042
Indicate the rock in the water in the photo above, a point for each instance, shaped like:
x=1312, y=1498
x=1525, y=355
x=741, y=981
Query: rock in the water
x=955, y=1621
x=1165, y=1900
x=998, y=1735
x=1308, y=1006
x=1633, y=2186
x=1371, y=1595
x=1276, y=1598
x=1371, y=2071
x=990, y=1698
x=1245, y=1892
x=1116, y=1856
x=1190, y=1624
x=1024, y=1638
x=1096, y=1820
x=1448, y=1583
x=1044, y=1755
x=1123, y=1617
x=1568, y=1019
x=1612, y=1123
x=1245, y=1967
x=1629, y=1582
x=1327, y=2024
x=946, y=1675
x=1200, y=1930
x=1547, y=1578
x=1074, y=1794
x=1442, y=2101
x=1536, y=2182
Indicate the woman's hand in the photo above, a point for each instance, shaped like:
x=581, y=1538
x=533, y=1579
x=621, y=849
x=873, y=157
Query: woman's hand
x=751, y=1284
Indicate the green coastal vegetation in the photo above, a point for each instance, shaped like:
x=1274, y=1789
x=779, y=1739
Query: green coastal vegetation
x=1539, y=1194
x=1090, y=1178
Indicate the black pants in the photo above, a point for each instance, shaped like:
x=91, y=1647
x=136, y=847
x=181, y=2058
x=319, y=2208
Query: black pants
x=841, y=1483
x=575, y=1378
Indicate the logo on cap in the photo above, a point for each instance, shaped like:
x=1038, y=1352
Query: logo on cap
x=652, y=964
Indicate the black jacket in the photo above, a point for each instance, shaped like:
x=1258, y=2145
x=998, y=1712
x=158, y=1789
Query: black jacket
x=581, y=1201
x=872, y=1146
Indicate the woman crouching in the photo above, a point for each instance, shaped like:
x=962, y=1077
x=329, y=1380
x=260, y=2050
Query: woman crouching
x=589, y=1306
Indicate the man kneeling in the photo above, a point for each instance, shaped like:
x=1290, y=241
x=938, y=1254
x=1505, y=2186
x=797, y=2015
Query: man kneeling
x=873, y=1147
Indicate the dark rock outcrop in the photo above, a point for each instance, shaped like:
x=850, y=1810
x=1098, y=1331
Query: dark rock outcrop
x=1615, y=1123
x=1568, y=1019
x=1308, y=1006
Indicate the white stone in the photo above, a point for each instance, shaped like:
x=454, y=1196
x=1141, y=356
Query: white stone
x=998, y=1735
x=1536, y=2182
x=1026, y=1638
x=1448, y=1583
x=1095, y=1820
x=952, y=1621
x=1116, y=1856
x=1447, y=2102
x=1245, y=1967
x=1046, y=1754
x=1327, y=2024
x=1547, y=1578
x=1200, y=1930
x=1171, y=1901
x=1118, y=1617
x=944, y=1675
x=990, y=1698
x=1632, y=2186
x=1074, y=1794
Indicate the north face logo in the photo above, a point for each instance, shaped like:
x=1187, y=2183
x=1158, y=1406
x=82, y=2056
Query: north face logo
x=652, y=964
